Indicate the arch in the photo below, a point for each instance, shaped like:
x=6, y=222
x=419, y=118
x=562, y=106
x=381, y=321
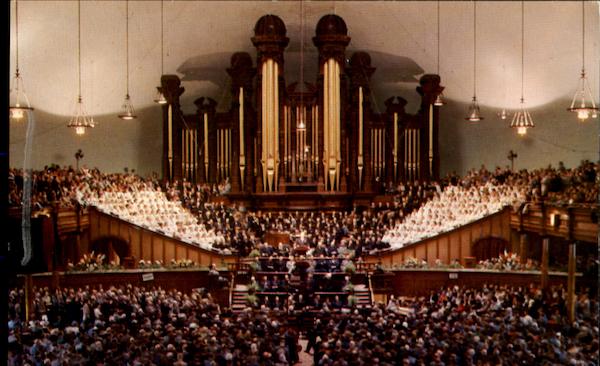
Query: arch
x=114, y=247
x=489, y=247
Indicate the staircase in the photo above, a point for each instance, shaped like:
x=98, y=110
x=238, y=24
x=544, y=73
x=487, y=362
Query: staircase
x=238, y=298
x=363, y=296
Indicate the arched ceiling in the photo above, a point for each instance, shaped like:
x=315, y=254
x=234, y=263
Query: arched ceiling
x=200, y=36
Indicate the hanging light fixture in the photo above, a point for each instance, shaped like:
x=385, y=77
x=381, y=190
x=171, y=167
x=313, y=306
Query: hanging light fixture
x=503, y=114
x=439, y=100
x=128, y=110
x=80, y=120
x=301, y=123
x=160, y=97
x=474, y=114
x=522, y=119
x=583, y=101
x=21, y=105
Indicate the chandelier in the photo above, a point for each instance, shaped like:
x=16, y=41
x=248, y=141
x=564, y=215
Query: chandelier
x=439, y=100
x=160, y=97
x=128, y=112
x=583, y=101
x=80, y=120
x=21, y=105
x=522, y=119
x=474, y=114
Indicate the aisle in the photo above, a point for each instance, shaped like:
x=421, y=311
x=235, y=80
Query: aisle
x=305, y=358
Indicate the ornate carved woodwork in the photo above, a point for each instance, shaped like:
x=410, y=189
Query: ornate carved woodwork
x=279, y=136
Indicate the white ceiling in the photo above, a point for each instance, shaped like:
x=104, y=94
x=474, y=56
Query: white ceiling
x=200, y=36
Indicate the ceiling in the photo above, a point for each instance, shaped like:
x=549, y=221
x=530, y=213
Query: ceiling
x=401, y=37
x=200, y=36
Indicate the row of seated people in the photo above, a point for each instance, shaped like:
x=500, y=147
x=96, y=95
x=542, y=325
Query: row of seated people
x=307, y=284
x=488, y=325
x=555, y=184
x=454, y=207
x=420, y=210
x=304, y=264
x=301, y=306
x=130, y=325
x=493, y=325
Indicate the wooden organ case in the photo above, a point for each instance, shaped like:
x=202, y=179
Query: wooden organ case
x=296, y=146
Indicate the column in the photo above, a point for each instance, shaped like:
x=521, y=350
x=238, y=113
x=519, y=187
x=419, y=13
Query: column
x=332, y=39
x=571, y=298
x=270, y=41
x=545, y=260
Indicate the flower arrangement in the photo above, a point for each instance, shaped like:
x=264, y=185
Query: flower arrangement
x=508, y=261
x=352, y=300
x=253, y=287
x=349, y=267
x=147, y=264
x=92, y=262
x=252, y=300
x=411, y=262
x=349, y=287
x=182, y=263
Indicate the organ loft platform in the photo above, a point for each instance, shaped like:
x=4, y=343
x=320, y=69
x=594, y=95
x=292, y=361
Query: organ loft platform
x=313, y=142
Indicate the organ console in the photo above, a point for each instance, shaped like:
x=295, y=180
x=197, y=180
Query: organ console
x=322, y=137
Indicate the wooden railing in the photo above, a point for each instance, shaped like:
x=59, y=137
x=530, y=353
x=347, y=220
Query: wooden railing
x=576, y=222
x=450, y=245
x=149, y=245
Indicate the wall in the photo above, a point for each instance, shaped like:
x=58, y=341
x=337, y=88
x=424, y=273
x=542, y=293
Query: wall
x=455, y=244
x=148, y=245
x=201, y=36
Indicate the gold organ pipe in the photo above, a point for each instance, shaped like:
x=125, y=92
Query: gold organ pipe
x=285, y=139
x=395, y=151
x=408, y=136
x=206, y=146
x=242, y=137
x=195, y=153
x=264, y=126
x=170, y=140
x=373, y=151
x=316, y=150
x=431, y=139
x=338, y=137
x=326, y=123
x=187, y=154
x=276, y=124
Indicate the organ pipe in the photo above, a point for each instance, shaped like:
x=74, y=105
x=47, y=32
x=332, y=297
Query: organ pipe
x=270, y=125
x=360, y=162
x=170, y=140
x=431, y=140
x=241, y=129
x=395, y=151
x=206, y=146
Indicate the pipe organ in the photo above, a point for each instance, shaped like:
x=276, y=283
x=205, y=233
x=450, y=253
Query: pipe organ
x=316, y=136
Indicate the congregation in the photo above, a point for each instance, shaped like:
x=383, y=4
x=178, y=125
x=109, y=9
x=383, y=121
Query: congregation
x=491, y=325
x=414, y=211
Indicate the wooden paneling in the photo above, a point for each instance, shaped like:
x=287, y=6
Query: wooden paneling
x=408, y=282
x=183, y=280
x=146, y=241
x=454, y=247
x=444, y=248
x=467, y=237
x=421, y=252
x=134, y=237
x=537, y=219
x=432, y=254
x=455, y=244
x=148, y=245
